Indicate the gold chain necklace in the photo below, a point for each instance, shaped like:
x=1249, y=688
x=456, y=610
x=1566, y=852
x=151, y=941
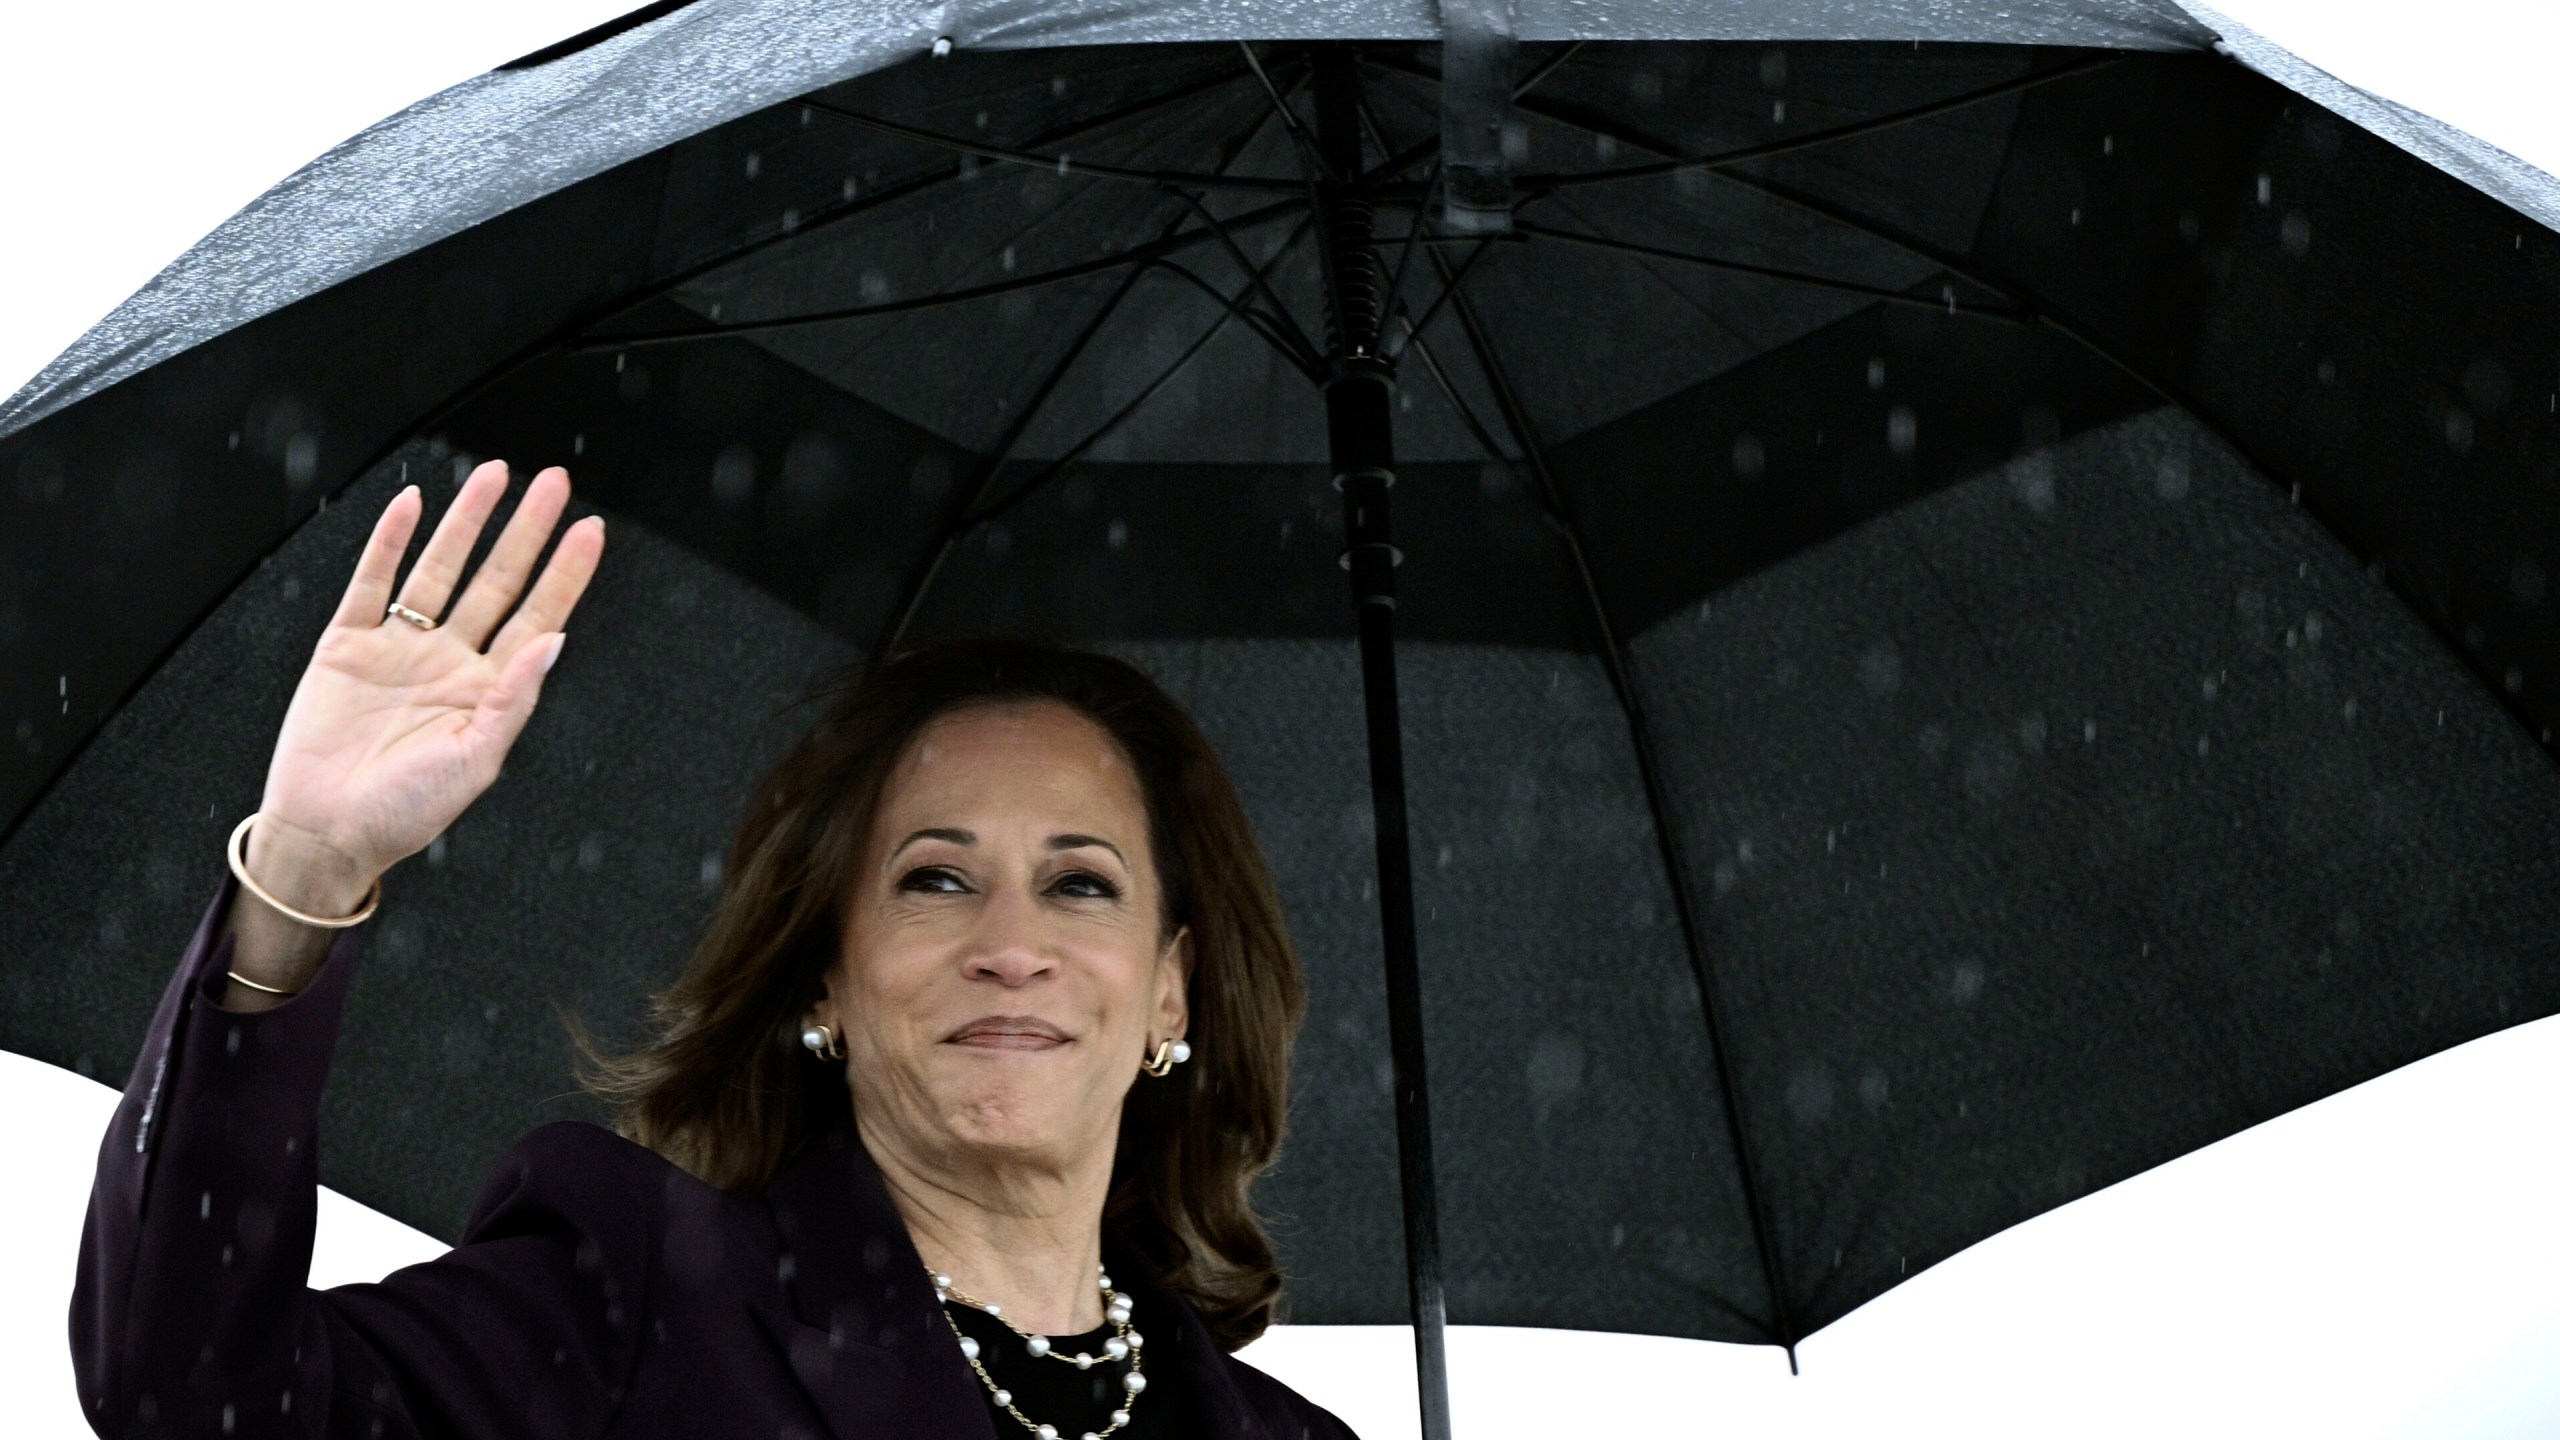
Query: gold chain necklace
x=1124, y=1344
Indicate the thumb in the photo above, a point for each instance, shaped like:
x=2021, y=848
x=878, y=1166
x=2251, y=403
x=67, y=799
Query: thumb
x=502, y=712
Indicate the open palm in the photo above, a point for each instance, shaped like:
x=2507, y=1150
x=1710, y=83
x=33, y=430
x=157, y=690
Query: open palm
x=394, y=730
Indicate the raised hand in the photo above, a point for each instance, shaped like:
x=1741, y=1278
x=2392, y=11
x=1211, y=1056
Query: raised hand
x=394, y=730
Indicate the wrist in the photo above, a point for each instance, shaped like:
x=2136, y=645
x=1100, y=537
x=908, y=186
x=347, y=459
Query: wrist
x=305, y=870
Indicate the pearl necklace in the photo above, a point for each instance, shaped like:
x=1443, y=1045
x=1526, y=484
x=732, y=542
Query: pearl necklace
x=1124, y=1344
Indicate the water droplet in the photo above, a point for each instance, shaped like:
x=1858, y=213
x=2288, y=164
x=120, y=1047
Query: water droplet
x=1809, y=1092
x=1964, y=983
x=301, y=459
x=1749, y=457
x=2526, y=580
x=1880, y=669
x=733, y=475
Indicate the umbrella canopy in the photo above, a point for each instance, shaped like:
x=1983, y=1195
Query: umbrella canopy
x=1974, y=616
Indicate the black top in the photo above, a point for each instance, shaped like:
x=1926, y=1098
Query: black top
x=1078, y=1402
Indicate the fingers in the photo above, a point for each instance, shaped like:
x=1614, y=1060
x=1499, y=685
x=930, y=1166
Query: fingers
x=368, y=593
x=556, y=592
x=503, y=571
x=439, y=566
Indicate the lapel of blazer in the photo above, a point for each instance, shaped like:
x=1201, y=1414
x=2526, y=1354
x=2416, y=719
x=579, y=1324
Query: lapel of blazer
x=862, y=1333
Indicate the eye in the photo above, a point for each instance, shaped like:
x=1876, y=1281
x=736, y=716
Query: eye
x=932, y=880
x=1085, y=885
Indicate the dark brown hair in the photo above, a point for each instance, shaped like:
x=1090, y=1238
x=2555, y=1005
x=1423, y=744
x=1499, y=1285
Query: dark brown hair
x=723, y=1088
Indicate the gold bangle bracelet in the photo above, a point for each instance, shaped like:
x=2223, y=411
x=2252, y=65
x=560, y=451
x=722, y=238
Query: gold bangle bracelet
x=240, y=979
x=238, y=852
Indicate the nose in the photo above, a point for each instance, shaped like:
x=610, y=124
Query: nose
x=1007, y=947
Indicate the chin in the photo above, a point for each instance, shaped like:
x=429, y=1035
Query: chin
x=1022, y=1114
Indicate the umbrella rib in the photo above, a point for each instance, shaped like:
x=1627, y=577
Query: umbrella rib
x=1413, y=235
x=1308, y=158
x=1137, y=255
x=1306, y=353
x=1793, y=277
x=1060, y=161
x=1544, y=68
x=962, y=521
x=922, y=580
x=1466, y=412
x=862, y=204
x=1790, y=195
x=1649, y=772
x=1848, y=131
x=1448, y=287
x=1537, y=73
x=1121, y=416
x=1261, y=324
x=1654, y=273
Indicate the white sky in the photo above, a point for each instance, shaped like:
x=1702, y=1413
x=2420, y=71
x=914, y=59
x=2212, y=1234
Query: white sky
x=2382, y=1264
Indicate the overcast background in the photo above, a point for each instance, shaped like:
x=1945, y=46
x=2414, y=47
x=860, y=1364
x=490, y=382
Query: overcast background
x=2382, y=1264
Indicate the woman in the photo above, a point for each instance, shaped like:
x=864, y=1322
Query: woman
x=946, y=1130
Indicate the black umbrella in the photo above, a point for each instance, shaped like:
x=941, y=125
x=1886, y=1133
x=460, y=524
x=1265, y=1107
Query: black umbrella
x=1972, y=618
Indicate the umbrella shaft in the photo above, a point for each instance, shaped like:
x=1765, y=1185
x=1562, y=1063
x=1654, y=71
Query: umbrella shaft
x=1359, y=400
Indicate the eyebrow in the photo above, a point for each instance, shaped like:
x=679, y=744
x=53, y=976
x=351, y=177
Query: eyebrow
x=969, y=837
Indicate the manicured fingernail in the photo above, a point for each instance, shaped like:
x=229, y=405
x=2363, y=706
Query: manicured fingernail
x=558, y=640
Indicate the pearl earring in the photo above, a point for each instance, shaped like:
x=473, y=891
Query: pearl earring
x=1169, y=1053
x=822, y=1042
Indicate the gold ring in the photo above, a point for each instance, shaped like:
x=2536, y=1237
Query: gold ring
x=412, y=616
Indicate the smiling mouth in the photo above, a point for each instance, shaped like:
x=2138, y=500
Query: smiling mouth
x=1009, y=1032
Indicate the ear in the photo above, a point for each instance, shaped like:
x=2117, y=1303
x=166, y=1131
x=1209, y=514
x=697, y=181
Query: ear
x=1173, y=986
x=822, y=1010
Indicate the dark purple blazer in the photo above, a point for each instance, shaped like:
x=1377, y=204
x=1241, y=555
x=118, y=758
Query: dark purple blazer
x=598, y=1290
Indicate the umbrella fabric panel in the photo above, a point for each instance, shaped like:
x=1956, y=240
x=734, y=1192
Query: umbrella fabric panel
x=129, y=518
x=789, y=484
x=959, y=369
x=1669, y=324
x=1812, y=439
x=577, y=882
x=491, y=146
x=2467, y=158
x=2068, y=820
x=1148, y=552
x=2354, y=321
x=1587, y=1172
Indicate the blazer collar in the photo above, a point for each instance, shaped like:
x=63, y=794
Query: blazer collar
x=870, y=1346
x=863, y=1335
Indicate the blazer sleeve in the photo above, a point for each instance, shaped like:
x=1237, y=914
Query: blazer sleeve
x=191, y=1314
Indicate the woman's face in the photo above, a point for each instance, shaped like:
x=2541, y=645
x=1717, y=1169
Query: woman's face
x=1003, y=968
